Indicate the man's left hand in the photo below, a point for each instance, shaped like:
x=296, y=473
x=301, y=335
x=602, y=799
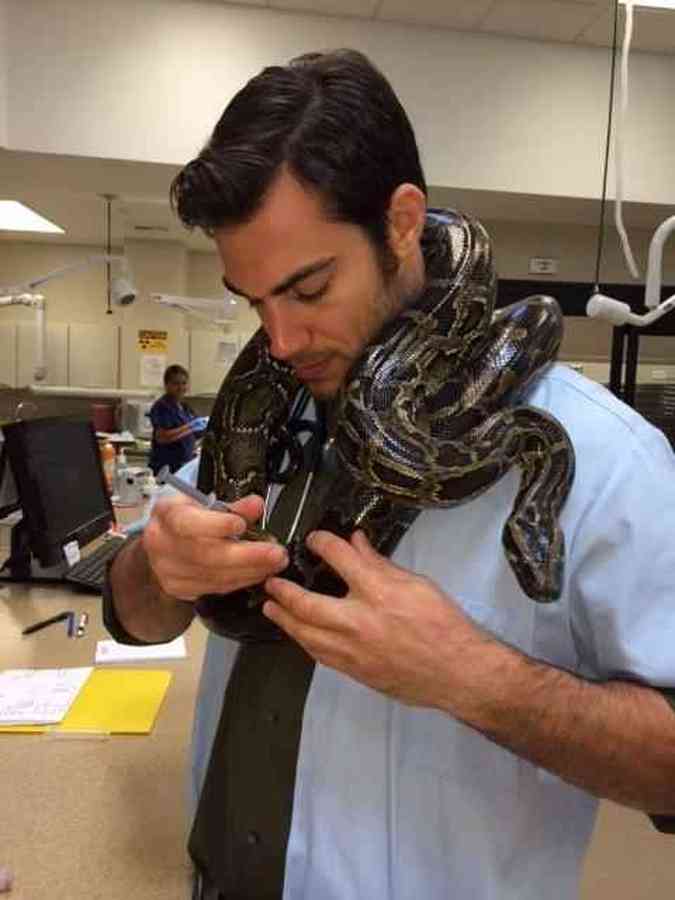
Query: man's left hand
x=394, y=631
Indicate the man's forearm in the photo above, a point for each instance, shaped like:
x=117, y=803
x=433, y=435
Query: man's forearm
x=141, y=606
x=615, y=740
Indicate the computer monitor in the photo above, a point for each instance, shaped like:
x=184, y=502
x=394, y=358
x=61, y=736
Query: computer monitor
x=60, y=484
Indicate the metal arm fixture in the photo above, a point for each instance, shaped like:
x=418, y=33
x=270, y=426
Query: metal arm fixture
x=610, y=310
x=216, y=312
x=123, y=293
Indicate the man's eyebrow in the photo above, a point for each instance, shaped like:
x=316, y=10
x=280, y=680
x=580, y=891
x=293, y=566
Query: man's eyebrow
x=287, y=283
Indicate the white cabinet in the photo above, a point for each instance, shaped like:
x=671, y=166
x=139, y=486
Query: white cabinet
x=93, y=356
x=8, y=354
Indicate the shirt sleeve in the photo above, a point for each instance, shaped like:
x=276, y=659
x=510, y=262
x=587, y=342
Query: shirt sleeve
x=623, y=617
x=622, y=589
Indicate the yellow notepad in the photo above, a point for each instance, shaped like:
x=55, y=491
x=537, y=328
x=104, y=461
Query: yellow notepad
x=112, y=701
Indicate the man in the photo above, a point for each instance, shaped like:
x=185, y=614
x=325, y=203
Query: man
x=454, y=735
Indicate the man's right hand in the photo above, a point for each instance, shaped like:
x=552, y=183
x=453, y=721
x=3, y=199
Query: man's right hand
x=195, y=551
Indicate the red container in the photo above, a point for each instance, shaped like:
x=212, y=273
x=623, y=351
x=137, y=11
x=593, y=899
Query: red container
x=103, y=417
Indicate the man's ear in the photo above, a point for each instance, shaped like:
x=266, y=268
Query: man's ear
x=407, y=212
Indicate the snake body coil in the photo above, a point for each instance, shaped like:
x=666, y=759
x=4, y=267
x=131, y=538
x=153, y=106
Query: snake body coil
x=428, y=417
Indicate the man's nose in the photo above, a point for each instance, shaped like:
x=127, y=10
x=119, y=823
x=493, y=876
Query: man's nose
x=286, y=333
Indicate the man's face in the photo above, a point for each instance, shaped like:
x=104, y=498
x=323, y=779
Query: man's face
x=316, y=285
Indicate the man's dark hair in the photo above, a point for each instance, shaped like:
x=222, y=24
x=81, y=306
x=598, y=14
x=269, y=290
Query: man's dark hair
x=174, y=371
x=332, y=119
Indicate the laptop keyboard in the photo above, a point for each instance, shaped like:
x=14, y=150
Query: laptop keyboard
x=89, y=572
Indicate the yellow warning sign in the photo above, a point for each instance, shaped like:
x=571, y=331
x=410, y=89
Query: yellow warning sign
x=150, y=341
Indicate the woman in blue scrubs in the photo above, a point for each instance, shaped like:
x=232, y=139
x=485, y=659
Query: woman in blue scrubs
x=174, y=424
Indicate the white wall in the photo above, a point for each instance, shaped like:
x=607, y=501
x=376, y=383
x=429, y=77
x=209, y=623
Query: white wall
x=147, y=81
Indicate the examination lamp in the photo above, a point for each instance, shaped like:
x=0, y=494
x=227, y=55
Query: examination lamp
x=122, y=288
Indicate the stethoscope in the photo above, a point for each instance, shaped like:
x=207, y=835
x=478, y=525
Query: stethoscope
x=299, y=444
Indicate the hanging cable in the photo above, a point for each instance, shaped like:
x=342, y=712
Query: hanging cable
x=619, y=141
x=608, y=140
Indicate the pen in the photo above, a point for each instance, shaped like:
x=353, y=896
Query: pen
x=81, y=624
x=61, y=617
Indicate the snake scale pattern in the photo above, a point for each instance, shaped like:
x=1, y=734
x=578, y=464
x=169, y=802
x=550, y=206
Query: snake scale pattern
x=428, y=417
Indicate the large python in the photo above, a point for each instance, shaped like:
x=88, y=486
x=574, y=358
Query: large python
x=428, y=416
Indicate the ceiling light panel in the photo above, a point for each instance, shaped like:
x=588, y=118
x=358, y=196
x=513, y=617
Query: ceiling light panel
x=14, y=216
x=653, y=4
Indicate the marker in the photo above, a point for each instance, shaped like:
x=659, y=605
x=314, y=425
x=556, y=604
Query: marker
x=38, y=626
x=81, y=624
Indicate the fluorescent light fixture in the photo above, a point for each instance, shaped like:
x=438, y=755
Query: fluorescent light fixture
x=14, y=216
x=653, y=4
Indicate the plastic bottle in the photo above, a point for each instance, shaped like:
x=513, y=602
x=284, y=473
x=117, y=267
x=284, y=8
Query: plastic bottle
x=107, y=452
x=120, y=469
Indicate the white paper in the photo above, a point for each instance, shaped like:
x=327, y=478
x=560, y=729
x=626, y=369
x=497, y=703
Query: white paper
x=112, y=652
x=151, y=369
x=71, y=551
x=39, y=696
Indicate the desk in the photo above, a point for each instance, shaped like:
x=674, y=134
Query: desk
x=95, y=818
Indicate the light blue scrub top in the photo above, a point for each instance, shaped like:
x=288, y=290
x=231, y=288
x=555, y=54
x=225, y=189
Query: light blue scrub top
x=396, y=803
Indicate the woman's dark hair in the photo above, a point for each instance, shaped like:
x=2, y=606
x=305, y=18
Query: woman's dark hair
x=332, y=119
x=174, y=371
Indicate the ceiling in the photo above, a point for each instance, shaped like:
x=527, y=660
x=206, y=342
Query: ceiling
x=588, y=22
x=67, y=189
